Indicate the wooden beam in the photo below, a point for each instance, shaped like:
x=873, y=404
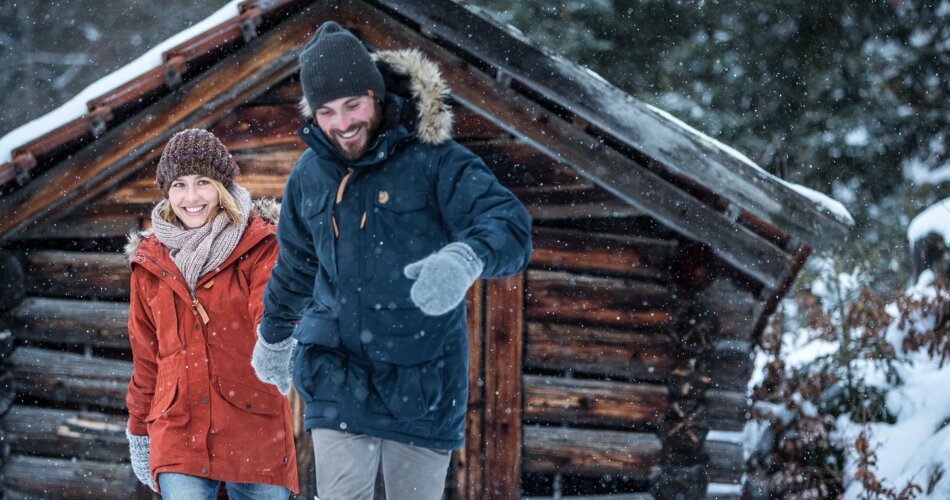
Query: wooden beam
x=44, y=477
x=591, y=452
x=256, y=126
x=627, y=179
x=560, y=400
x=65, y=433
x=504, y=326
x=637, y=455
x=92, y=221
x=469, y=476
x=78, y=275
x=576, y=401
x=678, y=151
x=13, y=281
x=467, y=125
x=627, y=355
x=578, y=251
x=70, y=378
x=71, y=322
x=520, y=165
x=591, y=300
x=240, y=78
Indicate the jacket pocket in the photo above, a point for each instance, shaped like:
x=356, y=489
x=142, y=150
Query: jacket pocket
x=319, y=366
x=247, y=398
x=406, y=350
x=317, y=212
x=404, y=227
x=165, y=316
x=163, y=399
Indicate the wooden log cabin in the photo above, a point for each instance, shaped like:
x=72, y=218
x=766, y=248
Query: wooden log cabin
x=615, y=367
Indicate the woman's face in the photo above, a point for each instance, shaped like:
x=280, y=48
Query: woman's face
x=191, y=198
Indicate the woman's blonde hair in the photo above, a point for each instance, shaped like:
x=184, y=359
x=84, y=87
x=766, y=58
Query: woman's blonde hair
x=226, y=203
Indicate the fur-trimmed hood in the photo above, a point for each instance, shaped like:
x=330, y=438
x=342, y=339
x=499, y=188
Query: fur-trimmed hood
x=267, y=208
x=411, y=75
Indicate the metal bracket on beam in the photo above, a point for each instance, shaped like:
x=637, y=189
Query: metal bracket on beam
x=503, y=77
x=250, y=20
x=21, y=168
x=733, y=212
x=99, y=122
x=175, y=67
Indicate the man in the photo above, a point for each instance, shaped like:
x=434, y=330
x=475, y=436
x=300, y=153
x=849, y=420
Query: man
x=385, y=224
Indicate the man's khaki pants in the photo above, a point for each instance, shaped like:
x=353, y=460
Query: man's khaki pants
x=346, y=467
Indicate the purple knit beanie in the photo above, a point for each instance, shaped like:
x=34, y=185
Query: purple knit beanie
x=195, y=152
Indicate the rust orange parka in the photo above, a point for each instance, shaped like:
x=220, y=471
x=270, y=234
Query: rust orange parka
x=193, y=391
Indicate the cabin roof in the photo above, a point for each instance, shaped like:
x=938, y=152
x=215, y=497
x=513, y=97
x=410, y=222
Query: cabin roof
x=686, y=180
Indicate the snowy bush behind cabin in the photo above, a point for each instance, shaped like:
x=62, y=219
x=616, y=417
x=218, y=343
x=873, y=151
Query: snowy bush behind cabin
x=913, y=448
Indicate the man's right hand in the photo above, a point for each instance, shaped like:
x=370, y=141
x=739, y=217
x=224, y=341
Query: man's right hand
x=274, y=363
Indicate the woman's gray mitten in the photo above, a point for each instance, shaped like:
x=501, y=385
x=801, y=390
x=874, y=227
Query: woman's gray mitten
x=443, y=278
x=274, y=363
x=138, y=453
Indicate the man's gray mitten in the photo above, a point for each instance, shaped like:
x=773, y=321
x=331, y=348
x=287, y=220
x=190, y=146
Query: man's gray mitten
x=274, y=363
x=443, y=278
x=138, y=453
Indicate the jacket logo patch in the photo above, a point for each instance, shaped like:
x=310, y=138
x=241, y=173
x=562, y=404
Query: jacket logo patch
x=383, y=197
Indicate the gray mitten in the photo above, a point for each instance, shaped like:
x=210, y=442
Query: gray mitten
x=274, y=363
x=138, y=453
x=443, y=278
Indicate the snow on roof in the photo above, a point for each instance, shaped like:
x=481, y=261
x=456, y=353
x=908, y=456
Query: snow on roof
x=936, y=219
x=76, y=107
x=820, y=200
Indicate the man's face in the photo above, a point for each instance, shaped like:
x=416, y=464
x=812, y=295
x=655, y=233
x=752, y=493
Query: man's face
x=350, y=123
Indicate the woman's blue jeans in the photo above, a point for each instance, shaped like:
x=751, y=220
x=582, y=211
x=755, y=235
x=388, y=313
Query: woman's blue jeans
x=176, y=486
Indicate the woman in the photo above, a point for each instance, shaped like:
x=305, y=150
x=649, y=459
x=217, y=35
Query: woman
x=198, y=415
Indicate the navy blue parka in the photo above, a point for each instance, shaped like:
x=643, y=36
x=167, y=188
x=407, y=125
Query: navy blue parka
x=368, y=361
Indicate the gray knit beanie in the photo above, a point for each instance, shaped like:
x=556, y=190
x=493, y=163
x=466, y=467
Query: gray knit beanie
x=195, y=152
x=335, y=64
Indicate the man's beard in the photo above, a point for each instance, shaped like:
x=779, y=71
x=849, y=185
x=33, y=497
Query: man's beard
x=355, y=151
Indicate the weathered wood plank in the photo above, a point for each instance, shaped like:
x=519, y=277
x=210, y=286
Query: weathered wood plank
x=560, y=296
x=630, y=181
x=571, y=250
x=13, y=281
x=71, y=322
x=736, y=308
x=591, y=452
x=65, y=433
x=726, y=463
x=287, y=92
x=72, y=378
x=616, y=353
x=633, y=454
x=470, y=126
x=575, y=401
x=504, y=326
x=678, y=151
x=41, y=477
x=256, y=126
x=54, y=273
x=469, y=470
x=93, y=221
x=727, y=409
x=582, y=401
x=246, y=74
x=628, y=355
x=521, y=165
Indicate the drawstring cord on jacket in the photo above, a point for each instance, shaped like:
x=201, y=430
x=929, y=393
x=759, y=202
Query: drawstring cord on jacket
x=339, y=198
